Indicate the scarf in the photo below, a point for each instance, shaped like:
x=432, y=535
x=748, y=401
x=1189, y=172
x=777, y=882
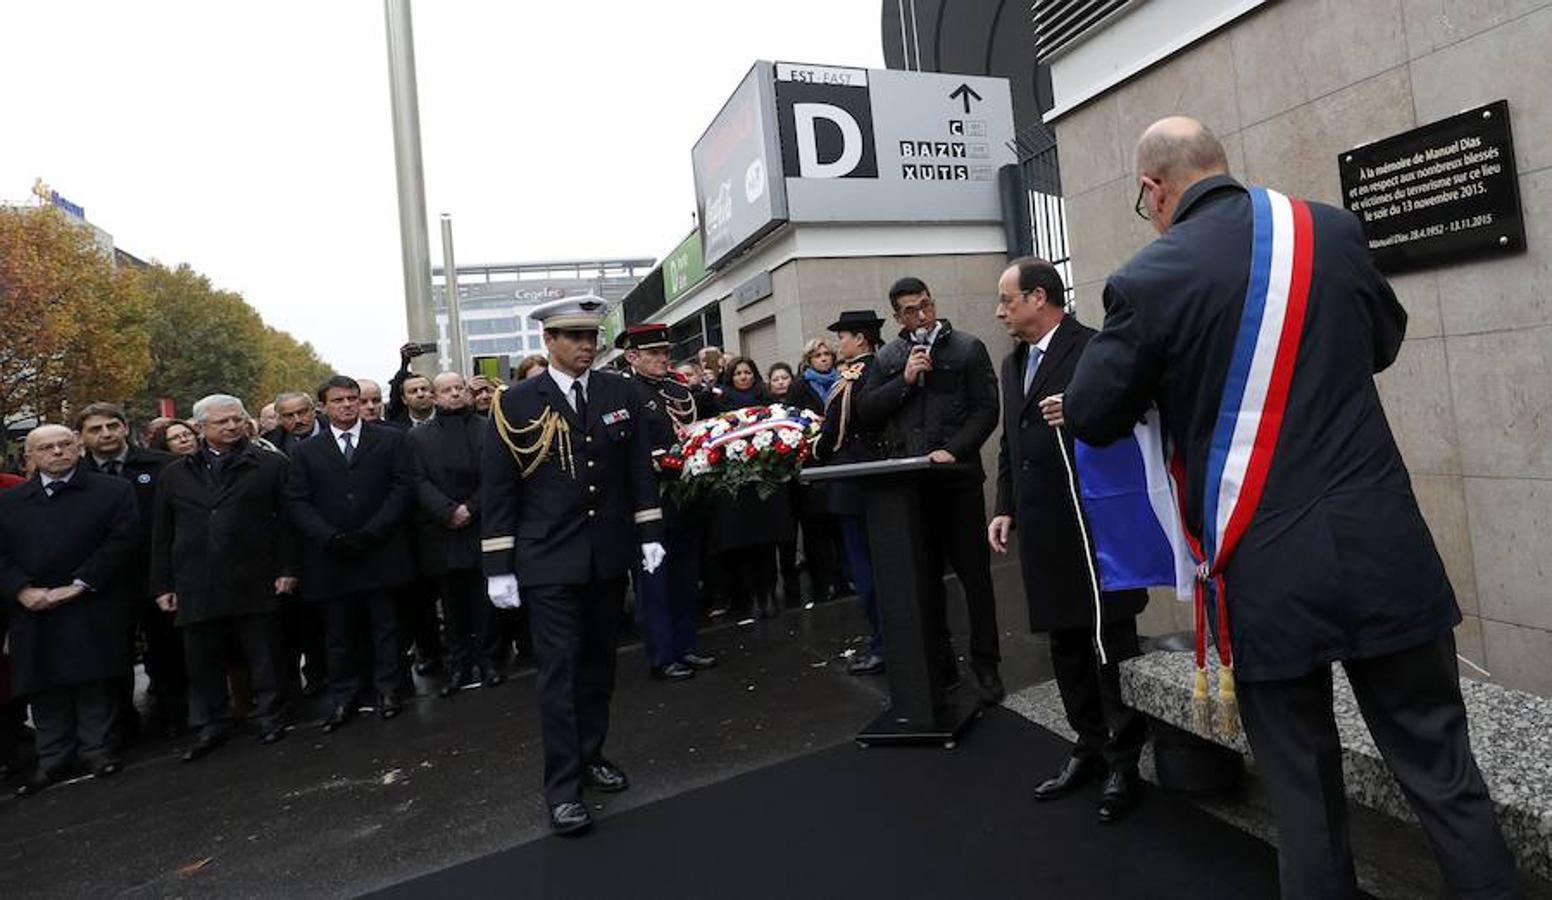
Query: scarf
x=821, y=382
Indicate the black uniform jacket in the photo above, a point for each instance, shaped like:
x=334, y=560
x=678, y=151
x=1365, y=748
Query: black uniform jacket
x=579, y=517
x=654, y=395
x=1032, y=487
x=953, y=407
x=373, y=494
x=1337, y=562
x=89, y=531
x=446, y=457
x=143, y=469
x=221, y=538
x=843, y=438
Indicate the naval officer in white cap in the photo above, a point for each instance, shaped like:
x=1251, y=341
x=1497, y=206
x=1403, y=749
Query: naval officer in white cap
x=570, y=504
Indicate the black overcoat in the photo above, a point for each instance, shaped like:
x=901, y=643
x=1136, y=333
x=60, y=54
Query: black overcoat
x=1337, y=562
x=844, y=438
x=953, y=407
x=220, y=541
x=143, y=469
x=578, y=517
x=89, y=531
x=373, y=494
x=1033, y=488
x=446, y=456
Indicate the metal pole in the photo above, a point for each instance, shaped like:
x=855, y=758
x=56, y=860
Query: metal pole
x=415, y=243
x=457, y=350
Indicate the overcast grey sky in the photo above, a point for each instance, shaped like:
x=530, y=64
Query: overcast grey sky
x=253, y=141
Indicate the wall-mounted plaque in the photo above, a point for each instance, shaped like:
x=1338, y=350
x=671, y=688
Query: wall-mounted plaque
x=1438, y=193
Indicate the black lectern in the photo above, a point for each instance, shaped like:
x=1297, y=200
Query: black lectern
x=919, y=712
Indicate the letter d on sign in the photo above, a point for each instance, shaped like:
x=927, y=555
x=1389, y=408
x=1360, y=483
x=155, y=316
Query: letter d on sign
x=809, y=165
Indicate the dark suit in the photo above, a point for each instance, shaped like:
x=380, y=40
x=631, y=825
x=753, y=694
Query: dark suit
x=953, y=408
x=352, y=518
x=570, y=531
x=446, y=457
x=1033, y=488
x=69, y=660
x=1337, y=563
x=303, y=648
x=166, y=674
x=220, y=538
x=668, y=601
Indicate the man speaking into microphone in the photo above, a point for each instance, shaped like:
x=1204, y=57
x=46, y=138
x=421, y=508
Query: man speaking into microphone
x=933, y=392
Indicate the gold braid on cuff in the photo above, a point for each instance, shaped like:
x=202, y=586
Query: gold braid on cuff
x=643, y=516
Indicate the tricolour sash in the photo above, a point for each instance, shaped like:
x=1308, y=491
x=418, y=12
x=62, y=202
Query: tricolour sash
x=1250, y=417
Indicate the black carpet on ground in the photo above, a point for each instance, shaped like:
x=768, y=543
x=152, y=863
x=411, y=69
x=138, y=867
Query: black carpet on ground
x=898, y=822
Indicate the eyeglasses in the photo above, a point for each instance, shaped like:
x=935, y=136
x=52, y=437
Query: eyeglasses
x=1138, y=208
x=914, y=312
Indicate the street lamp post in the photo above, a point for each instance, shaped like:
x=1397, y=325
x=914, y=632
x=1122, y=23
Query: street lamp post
x=415, y=243
x=457, y=351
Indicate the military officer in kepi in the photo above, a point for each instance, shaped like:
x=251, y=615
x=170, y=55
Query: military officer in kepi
x=668, y=600
x=570, y=505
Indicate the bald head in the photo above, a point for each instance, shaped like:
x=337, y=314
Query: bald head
x=451, y=391
x=1172, y=155
x=1180, y=149
x=52, y=450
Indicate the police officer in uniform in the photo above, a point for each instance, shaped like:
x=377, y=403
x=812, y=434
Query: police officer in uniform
x=667, y=601
x=570, y=505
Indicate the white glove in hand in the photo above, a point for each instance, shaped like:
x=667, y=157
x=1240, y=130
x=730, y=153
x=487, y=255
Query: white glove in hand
x=502, y=590
x=652, y=556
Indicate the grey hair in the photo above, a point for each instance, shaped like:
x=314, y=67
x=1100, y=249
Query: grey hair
x=284, y=396
x=204, y=405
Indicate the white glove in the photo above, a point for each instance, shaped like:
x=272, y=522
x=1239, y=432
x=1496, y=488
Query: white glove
x=502, y=590
x=652, y=556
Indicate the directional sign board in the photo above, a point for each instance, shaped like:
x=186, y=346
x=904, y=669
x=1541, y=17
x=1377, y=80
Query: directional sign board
x=891, y=146
x=808, y=143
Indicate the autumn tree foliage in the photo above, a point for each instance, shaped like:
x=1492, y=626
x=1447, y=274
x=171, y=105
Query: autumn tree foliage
x=73, y=328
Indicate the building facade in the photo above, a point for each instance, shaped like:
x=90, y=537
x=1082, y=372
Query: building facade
x=1289, y=87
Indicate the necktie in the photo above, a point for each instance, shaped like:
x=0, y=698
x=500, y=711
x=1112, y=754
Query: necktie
x=113, y=467
x=1031, y=364
x=50, y=488
x=579, y=402
x=350, y=445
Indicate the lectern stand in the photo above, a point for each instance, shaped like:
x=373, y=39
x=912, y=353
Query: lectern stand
x=919, y=711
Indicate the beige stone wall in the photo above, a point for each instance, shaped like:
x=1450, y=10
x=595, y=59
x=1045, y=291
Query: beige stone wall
x=1470, y=398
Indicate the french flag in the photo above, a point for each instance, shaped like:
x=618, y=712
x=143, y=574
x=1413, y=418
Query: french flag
x=1131, y=513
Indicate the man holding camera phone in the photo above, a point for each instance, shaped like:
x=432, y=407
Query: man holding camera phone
x=933, y=392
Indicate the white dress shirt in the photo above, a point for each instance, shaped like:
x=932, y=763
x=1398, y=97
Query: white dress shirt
x=564, y=381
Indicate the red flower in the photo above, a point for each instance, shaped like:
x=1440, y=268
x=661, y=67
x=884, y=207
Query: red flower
x=750, y=451
x=714, y=455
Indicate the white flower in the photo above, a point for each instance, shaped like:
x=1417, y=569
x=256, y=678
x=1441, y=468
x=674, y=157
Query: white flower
x=791, y=436
x=737, y=447
x=763, y=439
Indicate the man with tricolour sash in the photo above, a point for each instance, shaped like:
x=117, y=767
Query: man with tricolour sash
x=1256, y=324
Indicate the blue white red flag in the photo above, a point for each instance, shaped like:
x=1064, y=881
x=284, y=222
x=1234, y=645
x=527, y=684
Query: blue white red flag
x=1133, y=515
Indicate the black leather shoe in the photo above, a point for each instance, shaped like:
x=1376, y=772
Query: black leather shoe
x=428, y=666
x=674, y=671
x=605, y=776
x=388, y=706
x=38, y=782
x=449, y=689
x=205, y=745
x=273, y=736
x=104, y=768
x=338, y=718
x=989, y=685
x=1119, y=796
x=699, y=661
x=493, y=677
x=865, y=664
x=1073, y=774
x=569, y=818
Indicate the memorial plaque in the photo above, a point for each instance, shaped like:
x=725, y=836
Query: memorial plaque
x=1438, y=193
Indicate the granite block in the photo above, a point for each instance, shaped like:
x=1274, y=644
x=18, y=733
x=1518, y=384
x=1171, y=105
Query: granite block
x=1511, y=735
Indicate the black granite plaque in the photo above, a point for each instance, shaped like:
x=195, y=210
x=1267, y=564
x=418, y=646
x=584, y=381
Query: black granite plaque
x=1438, y=193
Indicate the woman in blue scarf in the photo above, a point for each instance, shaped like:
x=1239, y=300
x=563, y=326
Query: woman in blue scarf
x=818, y=367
